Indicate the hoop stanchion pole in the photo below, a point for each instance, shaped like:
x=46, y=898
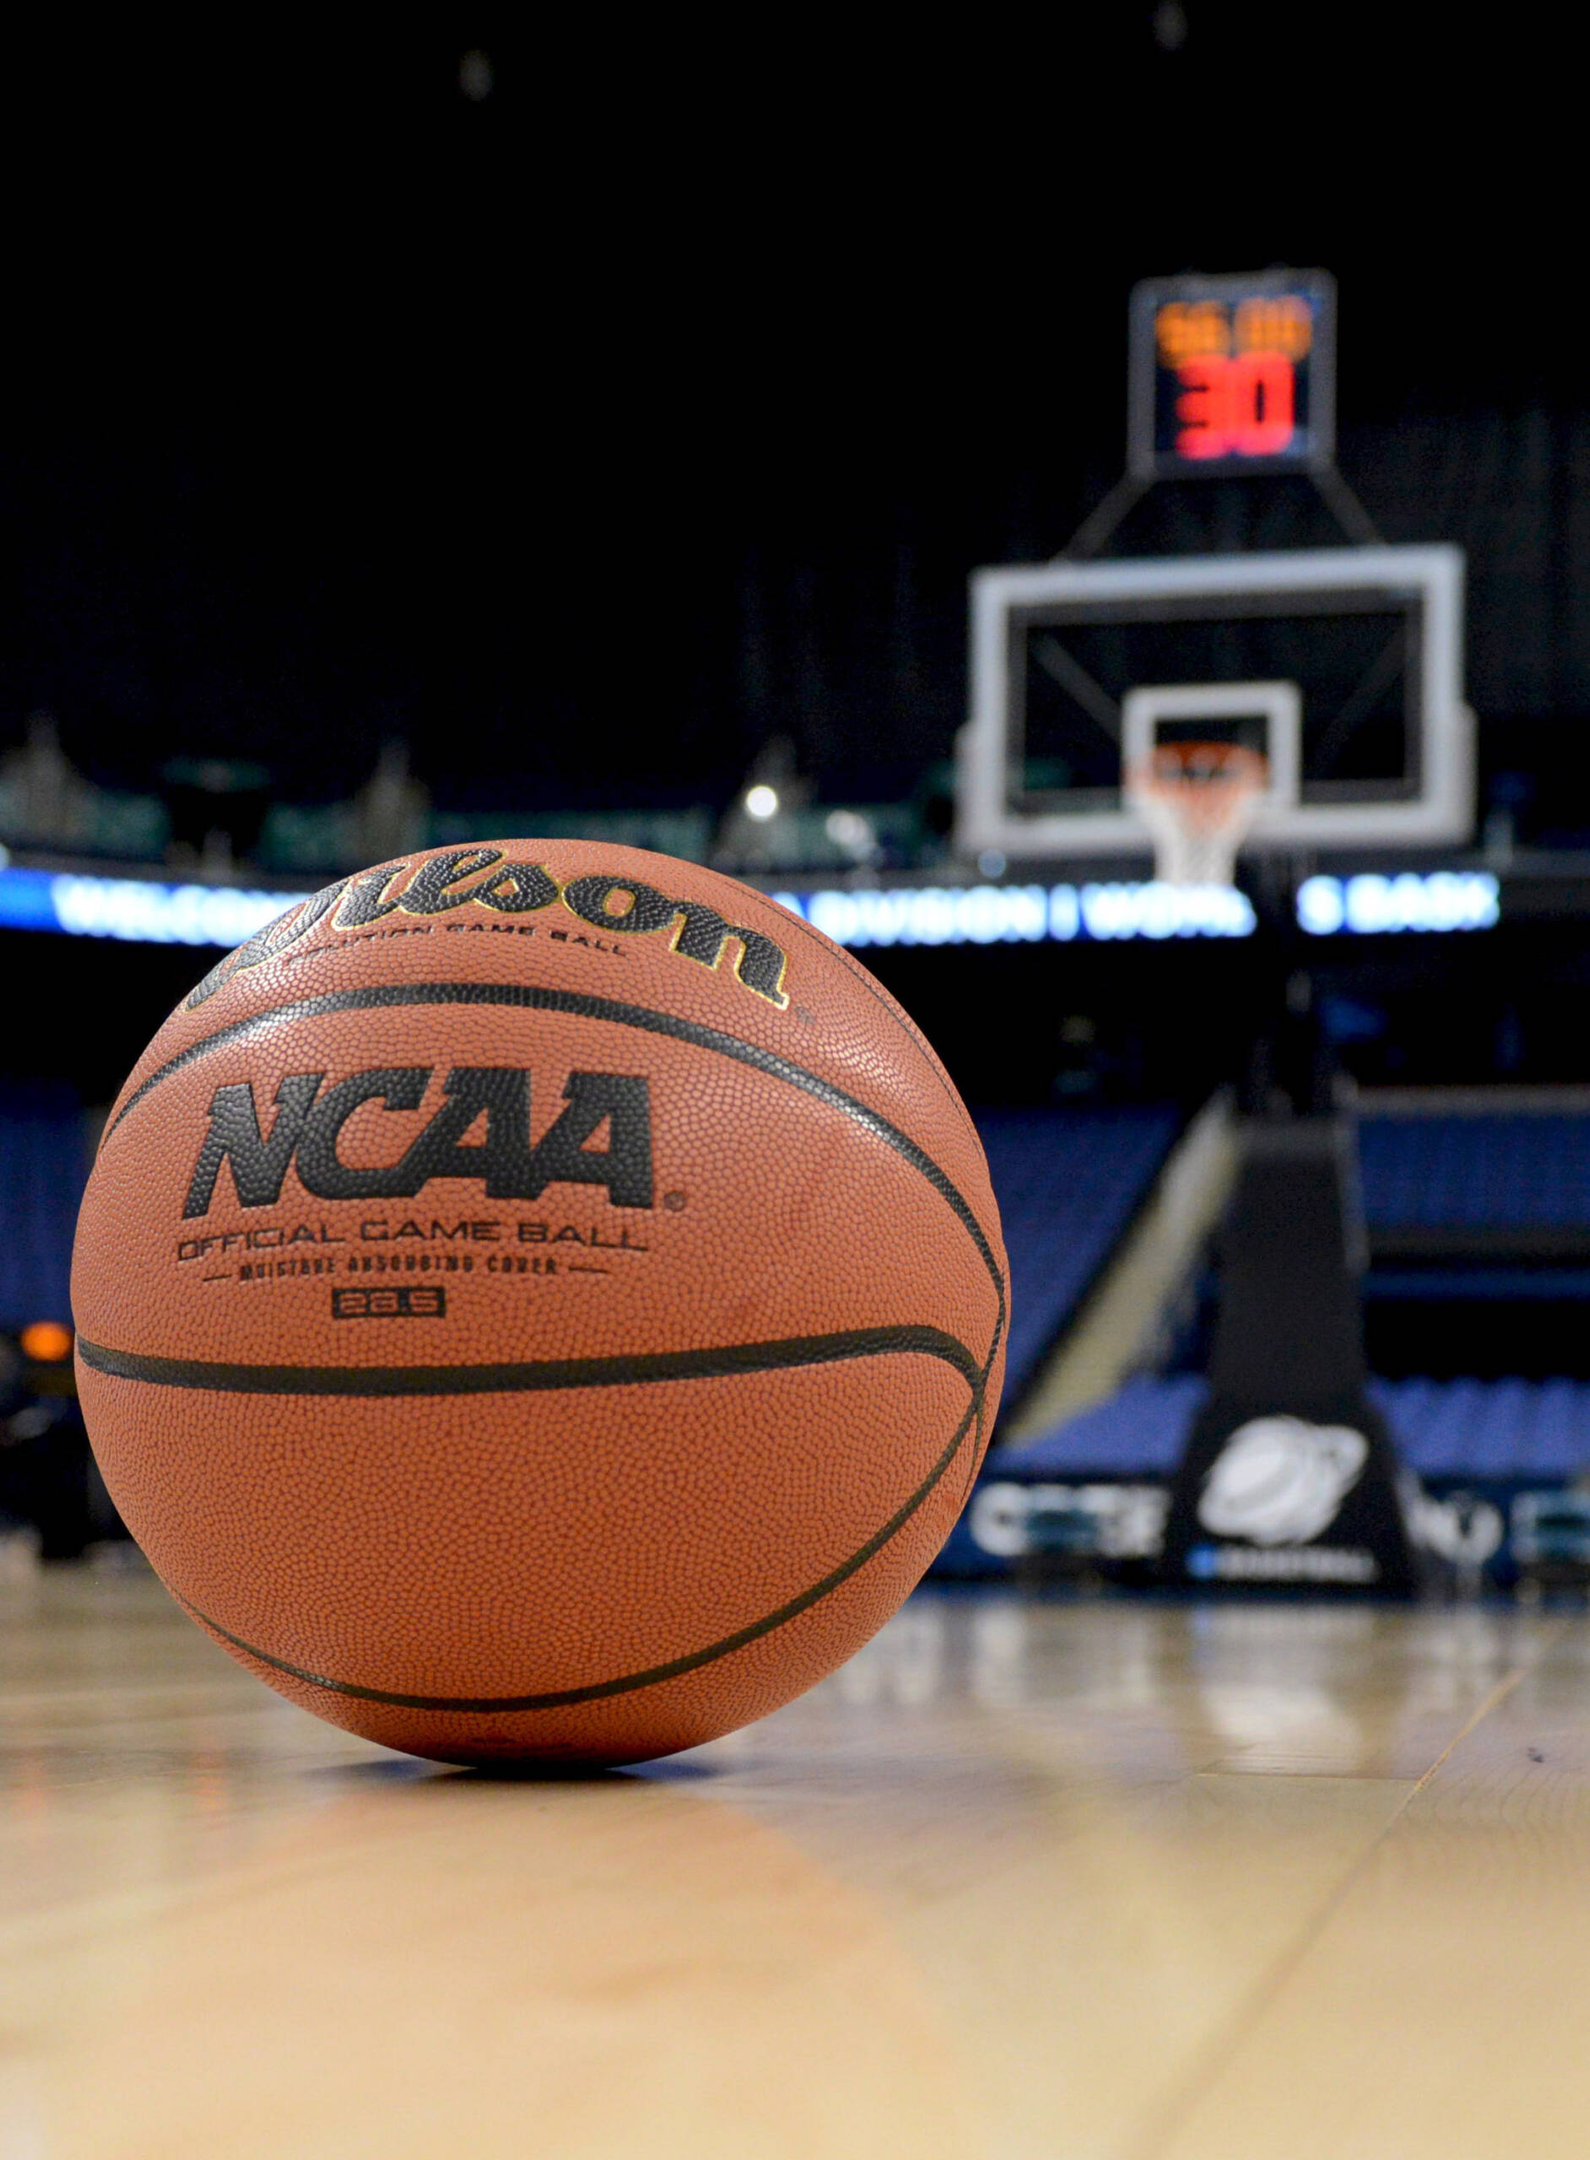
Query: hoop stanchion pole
x=1289, y=1479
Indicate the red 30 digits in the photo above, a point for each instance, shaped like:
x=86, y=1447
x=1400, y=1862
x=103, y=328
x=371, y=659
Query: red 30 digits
x=1241, y=406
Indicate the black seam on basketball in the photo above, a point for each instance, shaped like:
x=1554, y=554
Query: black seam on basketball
x=640, y=1368
x=535, y=997
x=626, y=1683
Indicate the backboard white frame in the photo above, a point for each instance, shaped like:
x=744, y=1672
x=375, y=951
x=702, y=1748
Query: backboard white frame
x=1441, y=815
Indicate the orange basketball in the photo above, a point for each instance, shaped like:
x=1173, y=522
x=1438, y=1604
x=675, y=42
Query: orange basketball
x=539, y=1299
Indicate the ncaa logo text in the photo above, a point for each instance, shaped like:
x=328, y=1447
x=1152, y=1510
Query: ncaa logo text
x=309, y=1121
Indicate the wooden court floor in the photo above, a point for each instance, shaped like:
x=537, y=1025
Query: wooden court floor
x=1026, y=1881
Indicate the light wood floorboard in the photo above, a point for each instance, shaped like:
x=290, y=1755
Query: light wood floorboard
x=1026, y=1881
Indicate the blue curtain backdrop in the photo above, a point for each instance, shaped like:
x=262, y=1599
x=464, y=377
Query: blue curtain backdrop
x=43, y=1167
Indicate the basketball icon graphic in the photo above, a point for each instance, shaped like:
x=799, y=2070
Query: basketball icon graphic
x=1281, y=1480
x=539, y=1299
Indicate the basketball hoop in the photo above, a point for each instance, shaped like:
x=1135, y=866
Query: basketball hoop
x=1198, y=799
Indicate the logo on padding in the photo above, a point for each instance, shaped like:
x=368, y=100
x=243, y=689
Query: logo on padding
x=1280, y=1480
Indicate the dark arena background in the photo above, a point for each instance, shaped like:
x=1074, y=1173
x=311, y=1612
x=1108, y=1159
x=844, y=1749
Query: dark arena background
x=810, y=448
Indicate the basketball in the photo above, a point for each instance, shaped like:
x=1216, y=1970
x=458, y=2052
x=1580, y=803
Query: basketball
x=539, y=1299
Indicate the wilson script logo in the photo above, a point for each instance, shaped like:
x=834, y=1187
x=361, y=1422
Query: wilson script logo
x=442, y=883
x=308, y=1126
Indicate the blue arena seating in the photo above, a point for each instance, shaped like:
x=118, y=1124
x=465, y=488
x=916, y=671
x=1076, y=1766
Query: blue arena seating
x=1524, y=1171
x=1067, y=1183
x=43, y=1168
x=1443, y=1428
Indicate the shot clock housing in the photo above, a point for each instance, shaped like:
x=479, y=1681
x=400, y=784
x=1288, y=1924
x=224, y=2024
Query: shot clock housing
x=1232, y=374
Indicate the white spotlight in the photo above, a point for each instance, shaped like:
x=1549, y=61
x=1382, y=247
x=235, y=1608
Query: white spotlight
x=761, y=802
x=851, y=831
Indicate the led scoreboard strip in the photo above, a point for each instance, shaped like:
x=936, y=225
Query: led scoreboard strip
x=1369, y=904
x=1232, y=375
x=147, y=911
x=138, y=911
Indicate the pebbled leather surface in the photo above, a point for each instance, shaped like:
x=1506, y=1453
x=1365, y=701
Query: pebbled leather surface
x=675, y=1551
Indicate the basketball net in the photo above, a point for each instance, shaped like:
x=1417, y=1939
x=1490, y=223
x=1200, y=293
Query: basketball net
x=1198, y=799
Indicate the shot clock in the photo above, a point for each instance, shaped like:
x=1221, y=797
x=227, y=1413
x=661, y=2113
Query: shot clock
x=1232, y=374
